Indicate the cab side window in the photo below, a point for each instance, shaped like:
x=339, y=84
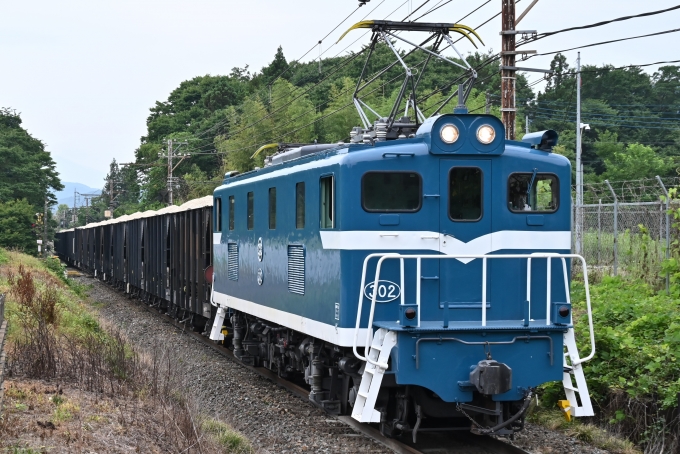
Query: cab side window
x=231, y=212
x=535, y=192
x=300, y=205
x=327, y=208
x=391, y=192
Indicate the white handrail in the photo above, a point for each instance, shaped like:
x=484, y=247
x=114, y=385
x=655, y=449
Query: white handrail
x=420, y=257
x=367, y=346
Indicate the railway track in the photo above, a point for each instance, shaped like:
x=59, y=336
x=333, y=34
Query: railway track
x=432, y=443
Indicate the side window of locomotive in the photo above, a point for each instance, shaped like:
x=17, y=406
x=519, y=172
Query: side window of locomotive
x=300, y=205
x=465, y=193
x=532, y=192
x=231, y=212
x=327, y=203
x=251, y=211
x=391, y=191
x=272, y=208
x=217, y=221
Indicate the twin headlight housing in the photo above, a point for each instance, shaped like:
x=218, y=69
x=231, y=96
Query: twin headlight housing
x=450, y=134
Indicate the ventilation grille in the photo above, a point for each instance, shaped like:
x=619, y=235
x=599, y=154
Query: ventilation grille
x=296, y=269
x=232, y=261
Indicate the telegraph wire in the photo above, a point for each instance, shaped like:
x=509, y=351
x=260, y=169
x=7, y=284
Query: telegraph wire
x=485, y=63
x=315, y=45
x=607, y=42
x=414, y=11
x=324, y=116
x=231, y=134
x=340, y=64
x=434, y=8
x=598, y=24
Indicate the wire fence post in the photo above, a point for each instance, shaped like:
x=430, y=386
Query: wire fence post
x=616, y=228
x=668, y=230
x=599, y=233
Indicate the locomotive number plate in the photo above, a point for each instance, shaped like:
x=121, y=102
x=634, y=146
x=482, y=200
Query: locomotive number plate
x=387, y=291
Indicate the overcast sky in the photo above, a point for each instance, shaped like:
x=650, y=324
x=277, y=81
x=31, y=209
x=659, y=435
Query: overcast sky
x=83, y=73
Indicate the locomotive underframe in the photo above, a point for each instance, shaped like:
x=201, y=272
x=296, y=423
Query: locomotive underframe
x=334, y=375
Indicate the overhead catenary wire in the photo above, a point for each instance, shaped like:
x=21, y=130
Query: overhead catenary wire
x=342, y=63
x=491, y=59
x=315, y=45
x=231, y=134
x=258, y=143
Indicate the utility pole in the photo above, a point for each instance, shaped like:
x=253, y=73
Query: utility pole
x=508, y=75
x=579, y=171
x=74, y=216
x=44, y=245
x=526, y=122
x=171, y=151
x=170, y=171
x=111, y=197
x=488, y=103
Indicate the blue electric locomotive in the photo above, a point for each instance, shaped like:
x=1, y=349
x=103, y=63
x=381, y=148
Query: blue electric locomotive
x=297, y=242
x=420, y=282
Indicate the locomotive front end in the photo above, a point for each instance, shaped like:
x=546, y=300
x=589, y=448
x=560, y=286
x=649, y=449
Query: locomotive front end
x=467, y=292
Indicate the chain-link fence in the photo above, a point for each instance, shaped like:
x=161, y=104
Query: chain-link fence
x=625, y=227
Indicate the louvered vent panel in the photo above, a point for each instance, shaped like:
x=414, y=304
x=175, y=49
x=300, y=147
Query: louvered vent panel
x=232, y=261
x=296, y=269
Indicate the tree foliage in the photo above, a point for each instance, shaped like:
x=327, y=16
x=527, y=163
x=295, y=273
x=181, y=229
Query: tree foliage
x=634, y=118
x=28, y=178
x=225, y=119
x=18, y=226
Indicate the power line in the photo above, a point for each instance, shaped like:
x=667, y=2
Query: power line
x=616, y=115
x=491, y=59
x=598, y=24
x=340, y=64
x=606, y=42
x=315, y=45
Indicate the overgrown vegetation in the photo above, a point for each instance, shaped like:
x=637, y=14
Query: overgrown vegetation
x=54, y=338
x=634, y=379
x=27, y=177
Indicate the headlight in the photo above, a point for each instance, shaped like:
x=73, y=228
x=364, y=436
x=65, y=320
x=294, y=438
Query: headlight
x=486, y=134
x=449, y=133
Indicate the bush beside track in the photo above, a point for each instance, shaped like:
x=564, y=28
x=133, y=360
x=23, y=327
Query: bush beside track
x=634, y=378
x=75, y=383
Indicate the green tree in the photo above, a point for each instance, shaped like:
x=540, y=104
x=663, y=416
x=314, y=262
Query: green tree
x=18, y=226
x=635, y=162
x=28, y=171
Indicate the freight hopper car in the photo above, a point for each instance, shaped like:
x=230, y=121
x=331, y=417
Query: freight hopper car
x=420, y=283
x=159, y=256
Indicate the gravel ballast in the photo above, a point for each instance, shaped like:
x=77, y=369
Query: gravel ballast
x=275, y=420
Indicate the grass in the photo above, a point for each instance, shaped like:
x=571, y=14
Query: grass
x=56, y=336
x=588, y=433
x=227, y=437
x=65, y=412
x=639, y=256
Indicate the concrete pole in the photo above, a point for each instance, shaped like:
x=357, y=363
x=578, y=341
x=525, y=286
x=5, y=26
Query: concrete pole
x=170, y=171
x=45, y=231
x=579, y=174
x=508, y=76
x=668, y=231
x=616, y=228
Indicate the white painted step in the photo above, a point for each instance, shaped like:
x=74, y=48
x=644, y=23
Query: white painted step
x=579, y=391
x=364, y=406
